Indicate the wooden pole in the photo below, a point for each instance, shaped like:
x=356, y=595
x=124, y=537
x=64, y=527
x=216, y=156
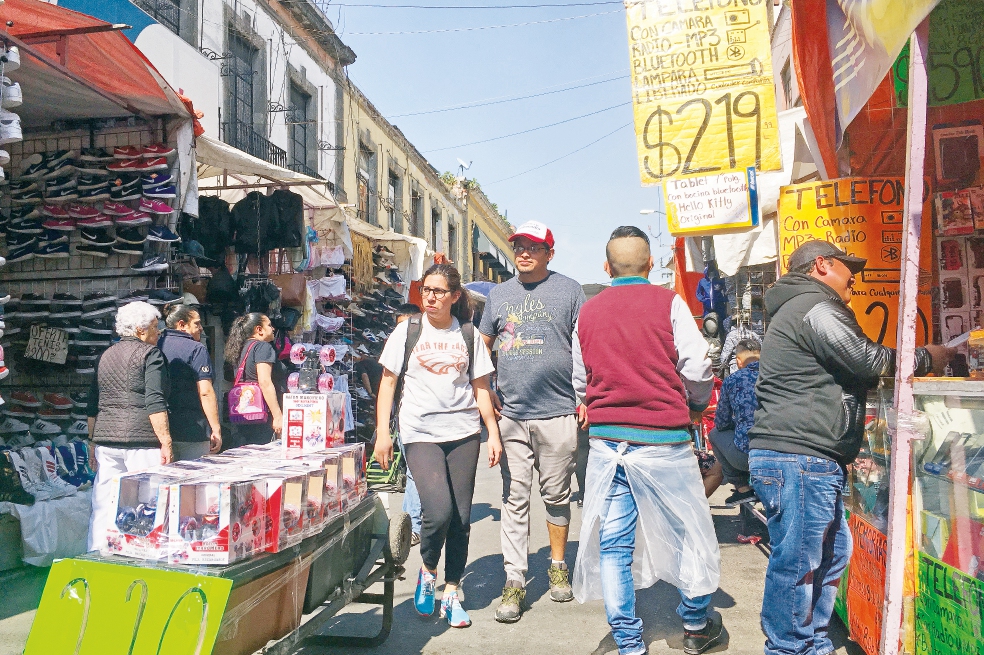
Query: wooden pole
x=906, y=343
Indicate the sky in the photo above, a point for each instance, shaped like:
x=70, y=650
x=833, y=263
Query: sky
x=582, y=197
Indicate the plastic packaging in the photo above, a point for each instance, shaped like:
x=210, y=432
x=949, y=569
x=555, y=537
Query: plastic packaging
x=675, y=538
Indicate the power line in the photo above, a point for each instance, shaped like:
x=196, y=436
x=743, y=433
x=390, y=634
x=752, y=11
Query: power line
x=536, y=6
x=485, y=27
x=480, y=103
x=533, y=129
x=554, y=161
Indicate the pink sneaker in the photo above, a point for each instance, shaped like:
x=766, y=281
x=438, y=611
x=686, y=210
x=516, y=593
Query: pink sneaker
x=134, y=219
x=155, y=206
x=54, y=211
x=116, y=209
x=82, y=211
x=125, y=152
x=156, y=150
x=96, y=221
x=136, y=165
x=59, y=224
x=155, y=164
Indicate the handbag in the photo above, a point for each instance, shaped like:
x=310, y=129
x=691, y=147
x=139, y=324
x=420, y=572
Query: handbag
x=292, y=285
x=245, y=399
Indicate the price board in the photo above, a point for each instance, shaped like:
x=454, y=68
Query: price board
x=863, y=217
x=702, y=87
x=705, y=204
x=47, y=345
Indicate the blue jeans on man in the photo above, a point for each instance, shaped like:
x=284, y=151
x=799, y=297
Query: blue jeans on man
x=811, y=545
x=619, y=516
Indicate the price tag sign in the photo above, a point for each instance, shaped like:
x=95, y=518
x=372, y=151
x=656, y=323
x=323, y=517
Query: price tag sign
x=702, y=88
x=711, y=203
x=92, y=608
x=47, y=345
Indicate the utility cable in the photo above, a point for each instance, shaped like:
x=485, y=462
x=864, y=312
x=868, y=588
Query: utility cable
x=485, y=27
x=480, y=103
x=554, y=161
x=535, y=6
x=532, y=129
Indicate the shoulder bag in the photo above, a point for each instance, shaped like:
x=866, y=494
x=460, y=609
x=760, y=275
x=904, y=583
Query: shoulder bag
x=246, y=403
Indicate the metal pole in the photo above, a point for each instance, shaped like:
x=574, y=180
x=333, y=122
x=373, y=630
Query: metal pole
x=906, y=342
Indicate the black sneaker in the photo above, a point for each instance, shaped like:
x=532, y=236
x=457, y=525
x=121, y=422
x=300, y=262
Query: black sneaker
x=99, y=312
x=52, y=250
x=124, y=248
x=121, y=191
x=129, y=235
x=98, y=299
x=22, y=186
x=24, y=212
x=96, y=155
x=152, y=264
x=103, y=252
x=98, y=326
x=68, y=182
x=31, y=197
x=61, y=195
x=55, y=237
x=59, y=168
x=134, y=296
x=695, y=643
x=81, y=398
x=17, y=240
x=96, y=237
x=162, y=297
x=26, y=226
x=739, y=497
x=94, y=194
x=90, y=340
x=67, y=324
x=91, y=181
x=33, y=167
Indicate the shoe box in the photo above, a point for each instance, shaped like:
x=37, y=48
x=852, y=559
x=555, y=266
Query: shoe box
x=285, y=495
x=216, y=519
x=141, y=501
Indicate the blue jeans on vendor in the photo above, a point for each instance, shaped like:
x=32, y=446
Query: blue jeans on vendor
x=619, y=515
x=811, y=545
x=411, y=503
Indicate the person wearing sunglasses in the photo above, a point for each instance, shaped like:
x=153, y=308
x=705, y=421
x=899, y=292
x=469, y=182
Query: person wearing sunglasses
x=529, y=320
x=445, y=396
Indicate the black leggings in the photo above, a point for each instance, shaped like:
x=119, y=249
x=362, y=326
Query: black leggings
x=445, y=477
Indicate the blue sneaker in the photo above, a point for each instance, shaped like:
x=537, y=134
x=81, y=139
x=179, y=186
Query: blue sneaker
x=423, y=598
x=452, y=610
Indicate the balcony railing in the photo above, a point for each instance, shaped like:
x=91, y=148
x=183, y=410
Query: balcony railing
x=244, y=137
x=165, y=12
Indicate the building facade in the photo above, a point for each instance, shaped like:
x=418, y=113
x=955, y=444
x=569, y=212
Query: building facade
x=491, y=252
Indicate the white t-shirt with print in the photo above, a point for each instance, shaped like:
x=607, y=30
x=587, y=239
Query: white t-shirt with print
x=438, y=402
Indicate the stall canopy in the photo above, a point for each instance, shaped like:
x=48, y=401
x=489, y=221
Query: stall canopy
x=74, y=66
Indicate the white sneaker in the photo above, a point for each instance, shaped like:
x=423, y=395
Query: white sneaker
x=28, y=481
x=10, y=127
x=79, y=428
x=41, y=426
x=50, y=468
x=4, y=157
x=13, y=426
x=20, y=440
x=13, y=60
x=12, y=96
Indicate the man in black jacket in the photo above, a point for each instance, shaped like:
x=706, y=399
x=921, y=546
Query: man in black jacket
x=816, y=369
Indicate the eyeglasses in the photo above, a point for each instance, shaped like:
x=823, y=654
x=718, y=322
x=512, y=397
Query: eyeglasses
x=517, y=249
x=438, y=293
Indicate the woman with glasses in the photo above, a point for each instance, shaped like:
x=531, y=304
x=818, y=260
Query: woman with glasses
x=445, y=396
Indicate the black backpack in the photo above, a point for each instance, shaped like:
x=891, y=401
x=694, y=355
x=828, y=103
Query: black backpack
x=414, y=328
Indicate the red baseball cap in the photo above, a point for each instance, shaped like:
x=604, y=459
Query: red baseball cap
x=534, y=231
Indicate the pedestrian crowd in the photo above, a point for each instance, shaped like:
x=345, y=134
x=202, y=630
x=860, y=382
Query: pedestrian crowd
x=623, y=377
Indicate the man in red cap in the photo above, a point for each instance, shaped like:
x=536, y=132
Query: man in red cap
x=530, y=322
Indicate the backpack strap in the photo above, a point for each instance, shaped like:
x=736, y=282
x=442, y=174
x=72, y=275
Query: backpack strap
x=414, y=328
x=242, y=363
x=468, y=332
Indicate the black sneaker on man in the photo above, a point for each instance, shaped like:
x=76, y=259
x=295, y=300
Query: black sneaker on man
x=560, y=583
x=739, y=497
x=696, y=642
x=510, y=608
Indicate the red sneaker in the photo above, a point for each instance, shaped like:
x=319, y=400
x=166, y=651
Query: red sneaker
x=156, y=164
x=116, y=209
x=96, y=221
x=49, y=414
x=81, y=211
x=125, y=152
x=57, y=401
x=59, y=224
x=127, y=165
x=55, y=211
x=155, y=206
x=134, y=219
x=25, y=399
x=157, y=150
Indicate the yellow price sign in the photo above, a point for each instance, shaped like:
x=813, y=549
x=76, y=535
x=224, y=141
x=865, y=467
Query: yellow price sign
x=702, y=87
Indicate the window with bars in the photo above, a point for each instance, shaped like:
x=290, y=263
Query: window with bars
x=165, y=12
x=394, y=204
x=366, y=174
x=300, y=127
x=416, y=212
x=453, y=244
x=240, y=80
x=437, y=241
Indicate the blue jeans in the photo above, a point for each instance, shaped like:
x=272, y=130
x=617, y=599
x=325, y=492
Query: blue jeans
x=618, y=525
x=411, y=503
x=811, y=545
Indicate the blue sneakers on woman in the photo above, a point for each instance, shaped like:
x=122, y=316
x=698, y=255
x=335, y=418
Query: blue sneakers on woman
x=452, y=610
x=423, y=598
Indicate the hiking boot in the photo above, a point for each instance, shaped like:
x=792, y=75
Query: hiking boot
x=511, y=606
x=739, y=497
x=560, y=583
x=696, y=642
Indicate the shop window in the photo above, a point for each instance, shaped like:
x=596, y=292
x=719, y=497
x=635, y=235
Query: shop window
x=165, y=12
x=366, y=173
x=453, y=243
x=244, y=92
x=300, y=127
x=437, y=241
x=416, y=212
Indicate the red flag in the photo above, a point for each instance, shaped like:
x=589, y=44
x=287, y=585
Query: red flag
x=815, y=75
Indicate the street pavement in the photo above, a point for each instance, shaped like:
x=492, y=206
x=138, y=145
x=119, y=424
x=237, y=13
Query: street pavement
x=564, y=628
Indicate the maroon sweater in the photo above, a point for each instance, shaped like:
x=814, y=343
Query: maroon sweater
x=630, y=358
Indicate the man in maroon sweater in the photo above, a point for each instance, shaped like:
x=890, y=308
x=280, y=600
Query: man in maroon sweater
x=641, y=367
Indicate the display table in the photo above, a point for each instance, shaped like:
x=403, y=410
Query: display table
x=96, y=604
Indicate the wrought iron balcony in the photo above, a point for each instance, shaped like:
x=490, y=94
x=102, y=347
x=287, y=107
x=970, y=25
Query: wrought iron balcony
x=244, y=137
x=165, y=12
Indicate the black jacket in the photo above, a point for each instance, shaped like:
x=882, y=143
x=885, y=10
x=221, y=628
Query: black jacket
x=816, y=369
x=255, y=217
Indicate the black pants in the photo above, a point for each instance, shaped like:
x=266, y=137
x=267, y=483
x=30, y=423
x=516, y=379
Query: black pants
x=445, y=477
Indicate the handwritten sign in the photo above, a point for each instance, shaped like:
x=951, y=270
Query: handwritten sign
x=711, y=203
x=91, y=607
x=956, y=55
x=47, y=345
x=702, y=87
x=866, y=584
x=863, y=217
x=949, y=610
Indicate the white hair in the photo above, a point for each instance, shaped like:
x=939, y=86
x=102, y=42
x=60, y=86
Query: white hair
x=134, y=316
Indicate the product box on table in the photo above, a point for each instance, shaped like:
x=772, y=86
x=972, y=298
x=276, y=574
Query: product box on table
x=354, y=484
x=285, y=493
x=315, y=513
x=331, y=463
x=140, y=500
x=216, y=520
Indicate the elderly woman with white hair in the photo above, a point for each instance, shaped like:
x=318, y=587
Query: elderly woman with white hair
x=127, y=410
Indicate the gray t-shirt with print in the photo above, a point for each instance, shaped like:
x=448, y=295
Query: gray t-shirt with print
x=534, y=324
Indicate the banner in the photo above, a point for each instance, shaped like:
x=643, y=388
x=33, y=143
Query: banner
x=956, y=55
x=702, y=88
x=711, y=203
x=949, y=610
x=863, y=217
x=866, y=584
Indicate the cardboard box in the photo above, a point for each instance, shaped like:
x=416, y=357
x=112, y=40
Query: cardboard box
x=218, y=520
x=330, y=462
x=315, y=511
x=305, y=423
x=140, y=502
x=285, y=494
x=354, y=484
